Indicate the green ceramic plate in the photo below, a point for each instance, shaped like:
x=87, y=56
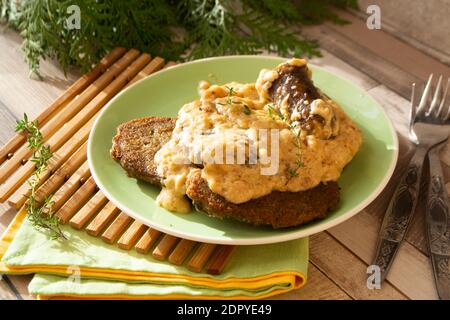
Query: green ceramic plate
x=165, y=92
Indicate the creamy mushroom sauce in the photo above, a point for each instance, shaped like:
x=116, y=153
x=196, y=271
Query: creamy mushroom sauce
x=219, y=119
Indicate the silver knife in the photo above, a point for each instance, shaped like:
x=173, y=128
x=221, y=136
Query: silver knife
x=438, y=226
x=399, y=213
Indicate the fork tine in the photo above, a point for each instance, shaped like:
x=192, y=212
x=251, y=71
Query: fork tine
x=421, y=109
x=412, y=112
x=444, y=115
x=434, y=109
x=448, y=112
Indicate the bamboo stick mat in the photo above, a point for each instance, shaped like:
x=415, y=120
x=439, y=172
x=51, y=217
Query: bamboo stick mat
x=65, y=126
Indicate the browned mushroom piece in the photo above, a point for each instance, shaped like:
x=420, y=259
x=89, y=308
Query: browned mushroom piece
x=294, y=95
x=294, y=81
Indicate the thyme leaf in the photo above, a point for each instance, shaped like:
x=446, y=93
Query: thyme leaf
x=276, y=115
x=230, y=100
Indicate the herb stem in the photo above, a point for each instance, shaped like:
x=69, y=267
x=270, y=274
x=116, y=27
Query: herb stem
x=40, y=214
x=276, y=115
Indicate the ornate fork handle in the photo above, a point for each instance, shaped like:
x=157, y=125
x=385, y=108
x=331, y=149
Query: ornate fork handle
x=438, y=226
x=399, y=212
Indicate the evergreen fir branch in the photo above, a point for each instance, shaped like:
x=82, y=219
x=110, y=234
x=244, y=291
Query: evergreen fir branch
x=176, y=30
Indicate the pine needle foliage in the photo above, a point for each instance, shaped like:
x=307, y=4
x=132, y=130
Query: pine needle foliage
x=176, y=30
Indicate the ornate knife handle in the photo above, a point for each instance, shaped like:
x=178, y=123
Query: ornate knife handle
x=398, y=214
x=438, y=226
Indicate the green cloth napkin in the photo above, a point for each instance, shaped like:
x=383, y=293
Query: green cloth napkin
x=253, y=271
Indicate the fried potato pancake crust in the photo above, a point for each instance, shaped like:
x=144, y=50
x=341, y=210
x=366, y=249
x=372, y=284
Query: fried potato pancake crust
x=137, y=142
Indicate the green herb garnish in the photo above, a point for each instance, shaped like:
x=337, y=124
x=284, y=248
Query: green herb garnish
x=230, y=94
x=247, y=110
x=292, y=173
x=40, y=214
x=229, y=100
x=276, y=115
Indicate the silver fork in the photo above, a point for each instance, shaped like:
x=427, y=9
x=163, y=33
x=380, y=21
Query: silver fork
x=428, y=127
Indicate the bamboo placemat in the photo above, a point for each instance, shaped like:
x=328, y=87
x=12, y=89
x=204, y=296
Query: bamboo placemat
x=65, y=126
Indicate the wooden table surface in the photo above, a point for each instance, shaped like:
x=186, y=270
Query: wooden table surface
x=375, y=60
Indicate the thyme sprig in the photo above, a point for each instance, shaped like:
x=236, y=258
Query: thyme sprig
x=276, y=115
x=230, y=101
x=40, y=214
x=230, y=94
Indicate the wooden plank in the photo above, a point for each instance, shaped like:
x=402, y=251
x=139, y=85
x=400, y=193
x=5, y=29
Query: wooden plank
x=116, y=228
x=131, y=235
x=16, y=185
x=397, y=108
x=445, y=156
x=76, y=88
x=201, y=256
x=21, y=282
x=78, y=199
x=164, y=247
x=71, y=186
x=343, y=69
x=220, y=259
x=80, y=123
x=6, y=292
x=411, y=271
x=377, y=53
x=104, y=217
x=20, y=93
x=75, y=113
x=346, y=269
x=408, y=21
x=181, y=251
x=363, y=59
x=6, y=215
x=80, y=219
x=318, y=287
x=55, y=181
x=170, y=64
x=8, y=122
x=156, y=64
x=390, y=48
x=83, y=119
x=147, y=240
